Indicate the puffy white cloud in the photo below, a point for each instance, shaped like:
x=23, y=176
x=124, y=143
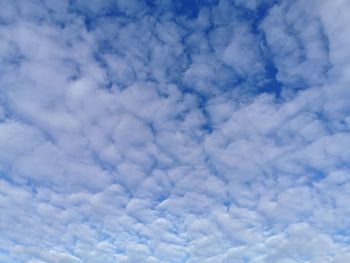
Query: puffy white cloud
x=131, y=132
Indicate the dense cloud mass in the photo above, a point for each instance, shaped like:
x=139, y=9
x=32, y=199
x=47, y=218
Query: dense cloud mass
x=174, y=131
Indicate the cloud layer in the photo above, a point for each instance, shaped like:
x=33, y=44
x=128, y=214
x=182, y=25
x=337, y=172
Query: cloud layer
x=148, y=131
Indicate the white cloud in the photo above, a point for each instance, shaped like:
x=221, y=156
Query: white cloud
x=131, y=133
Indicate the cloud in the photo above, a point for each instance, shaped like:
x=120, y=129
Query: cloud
x=144, y=131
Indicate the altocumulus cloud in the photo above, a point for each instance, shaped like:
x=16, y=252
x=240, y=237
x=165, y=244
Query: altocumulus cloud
x=174, y=131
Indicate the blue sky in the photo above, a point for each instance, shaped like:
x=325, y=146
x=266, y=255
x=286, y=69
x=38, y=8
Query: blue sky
x=174, y=131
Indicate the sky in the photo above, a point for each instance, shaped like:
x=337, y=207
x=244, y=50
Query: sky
x=159, y=131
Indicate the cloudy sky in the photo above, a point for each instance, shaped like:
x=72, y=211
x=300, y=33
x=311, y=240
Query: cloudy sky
x=197, y=131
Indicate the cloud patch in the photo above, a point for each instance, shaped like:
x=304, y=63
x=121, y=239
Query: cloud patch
x=147, y=131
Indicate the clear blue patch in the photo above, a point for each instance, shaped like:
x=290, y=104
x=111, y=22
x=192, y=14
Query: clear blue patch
x=188, y=8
